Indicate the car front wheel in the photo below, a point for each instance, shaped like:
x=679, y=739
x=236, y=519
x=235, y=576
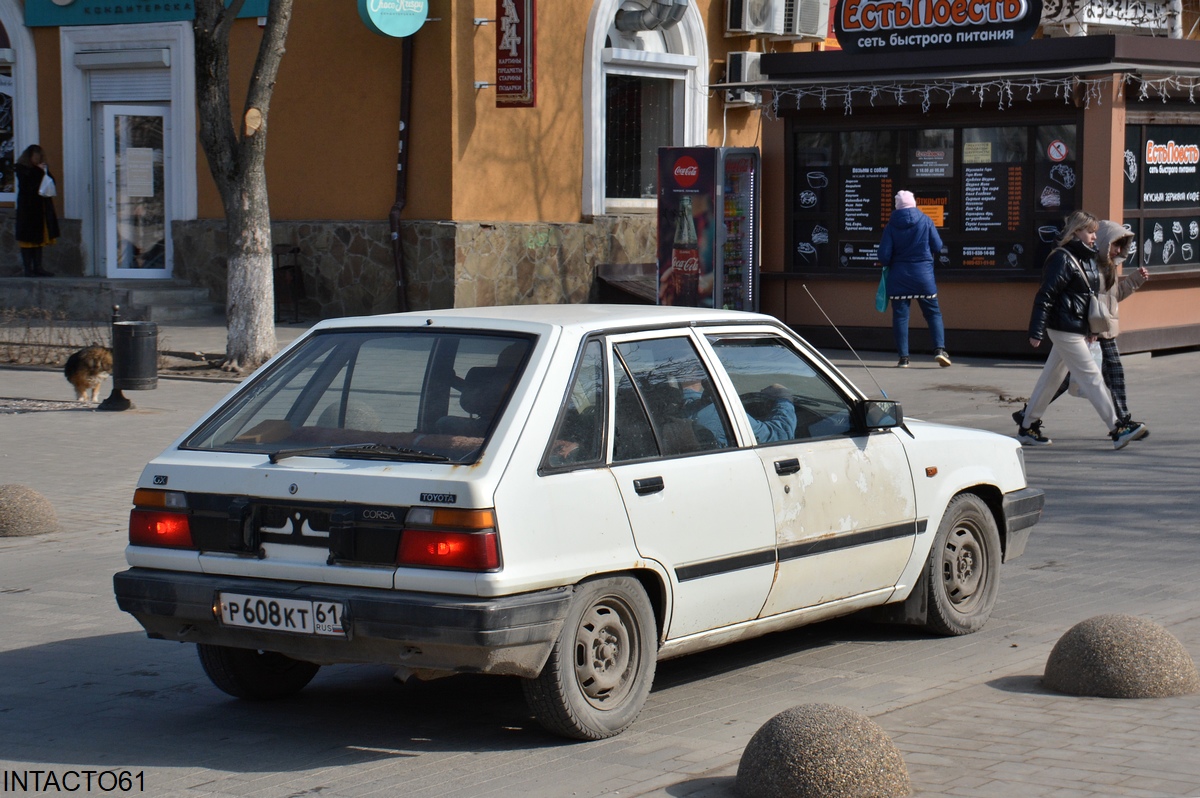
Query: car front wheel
x=963, y=572
x=600, y=669
x=255, y=675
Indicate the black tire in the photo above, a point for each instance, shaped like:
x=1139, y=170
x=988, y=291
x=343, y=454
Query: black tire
x=601, y=667
x=963, y=571
x=254, y=675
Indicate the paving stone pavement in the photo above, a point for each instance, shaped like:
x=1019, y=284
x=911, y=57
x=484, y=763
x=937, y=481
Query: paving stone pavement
x=84, y=689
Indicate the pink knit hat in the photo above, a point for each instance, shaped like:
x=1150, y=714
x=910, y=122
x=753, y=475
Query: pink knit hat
x=905, y=199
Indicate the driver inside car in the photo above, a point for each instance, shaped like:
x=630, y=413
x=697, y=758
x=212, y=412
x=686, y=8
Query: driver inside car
x=778, y=424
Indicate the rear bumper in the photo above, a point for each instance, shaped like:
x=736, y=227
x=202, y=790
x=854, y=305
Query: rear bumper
x=1022, y=509
x=429, y=634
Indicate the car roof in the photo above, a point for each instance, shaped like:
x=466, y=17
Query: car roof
x=578, y=319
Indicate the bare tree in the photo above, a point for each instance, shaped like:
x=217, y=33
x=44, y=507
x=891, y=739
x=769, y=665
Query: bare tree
x=236, y=157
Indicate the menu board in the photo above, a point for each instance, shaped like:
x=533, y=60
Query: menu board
x=860, y=254
x=1004, y=256
x=867, y=199
x=992, y=198
x=811, y=242
x=1167, y=241
x=1131, y=166
x=812, y=191
x=1055, y=188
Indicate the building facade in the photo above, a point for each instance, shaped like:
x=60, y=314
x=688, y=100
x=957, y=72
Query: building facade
x=525, y=202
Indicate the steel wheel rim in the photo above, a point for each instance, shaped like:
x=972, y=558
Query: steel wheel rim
x=964, y=565
x=607, y=649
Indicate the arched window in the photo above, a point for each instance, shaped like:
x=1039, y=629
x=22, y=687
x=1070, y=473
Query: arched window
x=642, y=90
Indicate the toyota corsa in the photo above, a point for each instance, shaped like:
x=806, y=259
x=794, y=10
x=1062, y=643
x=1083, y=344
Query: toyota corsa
x=567, y=494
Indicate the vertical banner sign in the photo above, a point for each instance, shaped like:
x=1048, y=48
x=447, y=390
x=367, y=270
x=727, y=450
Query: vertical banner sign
x=516, y=53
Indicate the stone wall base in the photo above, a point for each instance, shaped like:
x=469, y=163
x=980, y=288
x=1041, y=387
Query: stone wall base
x=63, y=258
x=348, y=268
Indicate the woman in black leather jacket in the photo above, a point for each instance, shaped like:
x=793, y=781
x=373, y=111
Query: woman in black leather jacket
x=1060, y=312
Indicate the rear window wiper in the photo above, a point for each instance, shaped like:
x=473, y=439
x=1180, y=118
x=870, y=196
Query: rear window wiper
x=363, y=451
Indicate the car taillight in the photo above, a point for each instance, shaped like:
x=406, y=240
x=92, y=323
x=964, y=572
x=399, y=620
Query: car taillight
x=443, y=538
x=159, y=518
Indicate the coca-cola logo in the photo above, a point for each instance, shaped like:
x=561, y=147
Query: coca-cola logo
x=687, y=263
x=687, y=171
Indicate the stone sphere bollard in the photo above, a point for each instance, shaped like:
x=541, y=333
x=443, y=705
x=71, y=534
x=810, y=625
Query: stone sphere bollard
x=1120, y=656
x=821, y=750
x=24, y=511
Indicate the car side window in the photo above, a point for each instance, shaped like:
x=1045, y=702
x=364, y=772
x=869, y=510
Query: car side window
x=663, y=387
x=579, y=434
x=783, y=395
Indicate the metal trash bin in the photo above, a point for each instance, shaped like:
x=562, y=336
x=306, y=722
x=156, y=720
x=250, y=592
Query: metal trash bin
x=135, y=355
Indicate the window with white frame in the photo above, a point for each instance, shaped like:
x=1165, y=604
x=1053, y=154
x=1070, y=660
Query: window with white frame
x=642, y=90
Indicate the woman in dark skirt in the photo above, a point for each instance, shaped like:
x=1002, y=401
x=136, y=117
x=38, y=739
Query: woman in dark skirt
x=37, y=224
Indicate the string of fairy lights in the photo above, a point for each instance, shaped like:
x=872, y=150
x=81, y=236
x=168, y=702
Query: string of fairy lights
x=1003, y=93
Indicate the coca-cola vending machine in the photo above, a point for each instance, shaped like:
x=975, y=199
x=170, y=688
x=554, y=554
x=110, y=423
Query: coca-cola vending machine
x=708, y=227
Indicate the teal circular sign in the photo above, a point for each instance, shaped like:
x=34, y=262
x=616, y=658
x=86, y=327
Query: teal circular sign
x=397, y=18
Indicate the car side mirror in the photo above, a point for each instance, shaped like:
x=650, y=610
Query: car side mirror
x=880, y=414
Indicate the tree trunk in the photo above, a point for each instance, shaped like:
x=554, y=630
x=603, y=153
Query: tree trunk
x=250, y=298
x=236, y=154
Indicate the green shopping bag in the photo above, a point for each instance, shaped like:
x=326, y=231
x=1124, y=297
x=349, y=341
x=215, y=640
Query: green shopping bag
x=881, y=297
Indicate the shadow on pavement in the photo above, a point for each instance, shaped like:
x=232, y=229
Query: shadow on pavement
x=125, y=699
x=1028, y=684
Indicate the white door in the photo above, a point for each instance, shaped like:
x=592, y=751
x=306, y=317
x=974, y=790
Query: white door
x=136, y=234
x=845, y=505
x=697, y=503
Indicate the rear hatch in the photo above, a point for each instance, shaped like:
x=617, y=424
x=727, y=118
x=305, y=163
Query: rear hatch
x=346, y=458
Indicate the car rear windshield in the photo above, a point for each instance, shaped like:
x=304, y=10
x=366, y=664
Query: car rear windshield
x=406, y=393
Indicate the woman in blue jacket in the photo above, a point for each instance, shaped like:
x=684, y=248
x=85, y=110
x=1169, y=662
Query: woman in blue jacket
x=910, y=244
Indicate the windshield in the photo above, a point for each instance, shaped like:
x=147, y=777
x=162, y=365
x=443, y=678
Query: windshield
x=415, y=392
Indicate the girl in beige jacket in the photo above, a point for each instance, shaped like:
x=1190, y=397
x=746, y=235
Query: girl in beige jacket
x=1112, y=246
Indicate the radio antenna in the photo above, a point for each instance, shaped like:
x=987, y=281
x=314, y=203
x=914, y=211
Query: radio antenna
x=847, y=343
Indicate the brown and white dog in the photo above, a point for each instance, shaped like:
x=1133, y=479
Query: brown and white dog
x=86, y=370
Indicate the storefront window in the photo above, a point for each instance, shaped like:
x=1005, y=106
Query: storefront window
x=1162, y=195
x=997, y=194
x=869, y=148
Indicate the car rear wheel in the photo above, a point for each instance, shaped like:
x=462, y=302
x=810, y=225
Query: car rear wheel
x=600, y=669
x=255, y=675
x=964, y=568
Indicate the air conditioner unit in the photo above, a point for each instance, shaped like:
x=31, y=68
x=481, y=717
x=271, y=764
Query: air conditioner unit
x=754, y=17
x=806, y=19
x=743, y=68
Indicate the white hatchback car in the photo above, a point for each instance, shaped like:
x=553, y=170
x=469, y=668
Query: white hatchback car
x=562, y=493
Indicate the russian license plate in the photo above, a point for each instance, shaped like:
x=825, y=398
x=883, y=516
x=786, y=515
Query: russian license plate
x=282, y=615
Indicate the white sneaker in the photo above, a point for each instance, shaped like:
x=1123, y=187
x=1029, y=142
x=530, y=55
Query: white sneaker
x=1124, y=433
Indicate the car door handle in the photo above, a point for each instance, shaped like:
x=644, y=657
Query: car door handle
x=648, y=485
x=785, y=467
